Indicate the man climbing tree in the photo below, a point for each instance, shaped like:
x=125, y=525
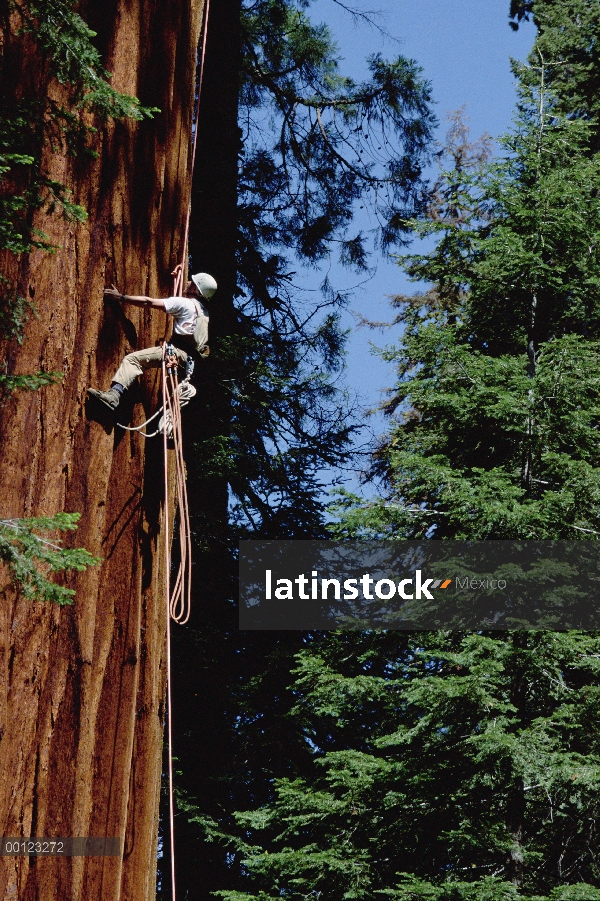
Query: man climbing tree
x=190, y=334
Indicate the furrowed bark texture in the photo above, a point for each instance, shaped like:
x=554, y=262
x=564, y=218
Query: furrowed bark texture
x=82, y=687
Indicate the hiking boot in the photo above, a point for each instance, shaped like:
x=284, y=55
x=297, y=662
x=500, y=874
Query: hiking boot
x=109, y=398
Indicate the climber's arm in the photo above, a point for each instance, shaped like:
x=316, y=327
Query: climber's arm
x=135, y=300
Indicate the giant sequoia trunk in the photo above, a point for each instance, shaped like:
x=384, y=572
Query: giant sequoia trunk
x=82, y=687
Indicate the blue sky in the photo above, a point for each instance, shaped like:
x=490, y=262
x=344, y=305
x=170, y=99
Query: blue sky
x=464, y=48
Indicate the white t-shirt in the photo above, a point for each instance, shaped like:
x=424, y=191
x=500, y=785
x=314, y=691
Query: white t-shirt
x=185, y=312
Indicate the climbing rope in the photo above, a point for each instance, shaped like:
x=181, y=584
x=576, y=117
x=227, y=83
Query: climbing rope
x=180, y=598
x=185, y=393
x=179, y=601
x=186, y=233
x=167, y=566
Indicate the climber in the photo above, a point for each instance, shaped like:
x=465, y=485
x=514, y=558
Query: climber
x=190, y=334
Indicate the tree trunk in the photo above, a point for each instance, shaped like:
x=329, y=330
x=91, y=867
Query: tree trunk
x=82, y=687
x=515, y=796
x=213, y=244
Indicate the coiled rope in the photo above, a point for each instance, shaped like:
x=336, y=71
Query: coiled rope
x=185, y=393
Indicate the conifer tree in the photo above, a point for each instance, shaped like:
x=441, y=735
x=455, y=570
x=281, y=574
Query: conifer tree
x=447, y=767
x=496, y=399
x=92, y=191
x=566, y=52
x=451, y=766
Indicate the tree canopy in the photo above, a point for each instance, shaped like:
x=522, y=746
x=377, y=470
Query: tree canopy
x=313, y=145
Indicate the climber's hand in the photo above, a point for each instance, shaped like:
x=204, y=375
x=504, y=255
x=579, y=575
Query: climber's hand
x=177, y=270
x=113, y=292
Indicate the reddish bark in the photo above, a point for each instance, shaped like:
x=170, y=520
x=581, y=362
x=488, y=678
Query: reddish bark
x=82, y=687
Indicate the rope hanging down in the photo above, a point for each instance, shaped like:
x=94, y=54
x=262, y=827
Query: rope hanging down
x=175, y=396
x=167, y=565
x=179, y=601
x=180, y=598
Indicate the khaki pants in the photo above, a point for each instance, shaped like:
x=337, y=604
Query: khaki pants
x=150, y=358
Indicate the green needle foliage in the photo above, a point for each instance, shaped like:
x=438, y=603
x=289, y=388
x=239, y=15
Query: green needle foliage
x=67, y=42
x=29, y=123
x=315, y=146
x=568, y=50
x=497, y=398
x=451, y=767
x=28, y=382
x=31, y=557
x=332, y=140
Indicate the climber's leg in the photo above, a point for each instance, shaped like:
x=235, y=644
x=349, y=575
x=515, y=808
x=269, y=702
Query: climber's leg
x=133, y=365
x=137, y=362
